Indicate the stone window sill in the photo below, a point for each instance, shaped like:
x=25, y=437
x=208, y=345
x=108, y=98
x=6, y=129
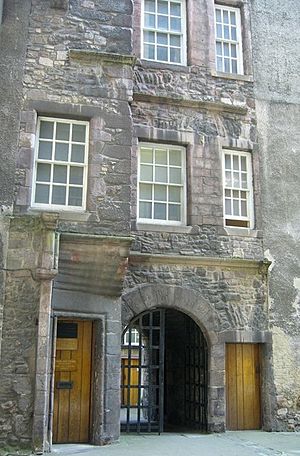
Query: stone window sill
x=163, y=228
x=149, y=64
x=235, y=77
x=245, y=232
x=72, y=216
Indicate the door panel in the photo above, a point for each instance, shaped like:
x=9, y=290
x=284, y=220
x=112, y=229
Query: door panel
x=72, y=382
x=243, y=386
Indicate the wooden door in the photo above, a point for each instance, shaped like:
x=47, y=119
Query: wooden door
x=243, y=386
x=72, y=381
x=132, y=392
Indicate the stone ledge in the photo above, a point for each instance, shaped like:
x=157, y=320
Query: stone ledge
x=94, y=238
x=145, y=258
x=187, y=103
x=89, y=56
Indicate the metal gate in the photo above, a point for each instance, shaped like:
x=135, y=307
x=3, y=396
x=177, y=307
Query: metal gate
x=143, y=369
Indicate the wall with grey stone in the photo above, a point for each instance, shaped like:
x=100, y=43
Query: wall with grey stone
x=276, y=70
x=19, y=333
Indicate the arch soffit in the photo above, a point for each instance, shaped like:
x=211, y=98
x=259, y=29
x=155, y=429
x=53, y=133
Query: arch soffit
x=186, y=300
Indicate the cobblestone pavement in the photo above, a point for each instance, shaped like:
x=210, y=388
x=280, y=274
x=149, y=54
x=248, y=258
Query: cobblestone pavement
x=239, y=443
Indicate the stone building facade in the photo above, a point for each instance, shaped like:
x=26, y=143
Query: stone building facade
x=114, y=208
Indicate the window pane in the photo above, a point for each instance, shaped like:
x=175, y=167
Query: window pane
x=77, y=154
x=219, y=31
x=162, y=38
x=60, y=174
x=175, y=40
x=42, y=194
x=174, y=212
x=227, y=65
x=175, y=24
x=43, y=172
x=236, y=180
x=236, y=209
x=150, y=5
x=232, y=18
x=145, y=191
x=61, y=151
x=218, y=15
x=244, y=208
x=146, y=156
x=236, y=164
x=244, y=180
x=58, y=195
x=228, y=207
x=233, y=33
x=63, y=131
x=162, y=53
x=160, y=211
x=243, y=164
x=175, y=176
x=225, y=17
x=76, y=175
x=161, y=157
x=146, y=173
x=226, y=32
x=175, y=194
x=149, y=51
x=226, y=49
x=219, y=64
x=235, y=193
x=228, y=181
x=46, y=129
x=149, y=20
x=78, y=133
x=219, y=48
x=233, y=50
x=234, y=66
x=75, y=196
x=45, y=150
x=175, y=157
x=160, y=193
x=149, y=37
x=162, y=6
x=243, y=195
x=228, y=193
x=161, y=174
x=228, y=161
x=175, y=55
x=145, y=210
x=162, y=22
x=175, y=9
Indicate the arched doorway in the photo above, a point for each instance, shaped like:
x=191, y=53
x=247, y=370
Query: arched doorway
x=164, y=373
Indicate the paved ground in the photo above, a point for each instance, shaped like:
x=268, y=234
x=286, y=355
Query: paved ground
x=238, y=443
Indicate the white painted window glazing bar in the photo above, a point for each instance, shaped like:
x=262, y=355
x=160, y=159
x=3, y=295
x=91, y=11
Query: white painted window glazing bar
x=229, y=52
x=164, y=31
x=56, y=190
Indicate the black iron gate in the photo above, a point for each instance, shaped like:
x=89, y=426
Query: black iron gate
x=143, y=374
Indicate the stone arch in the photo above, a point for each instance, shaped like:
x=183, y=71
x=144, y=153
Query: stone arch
x=193, y=303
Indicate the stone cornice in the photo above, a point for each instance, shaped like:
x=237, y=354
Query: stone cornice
x=187, y=103
x=91, y=56
x=189, y=260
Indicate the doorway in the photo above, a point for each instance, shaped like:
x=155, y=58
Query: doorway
x=72, y=381
x=243, y=398
x=164, y=374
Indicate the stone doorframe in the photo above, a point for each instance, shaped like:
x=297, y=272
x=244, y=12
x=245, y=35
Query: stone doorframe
x=193, y=304
x=97, y=375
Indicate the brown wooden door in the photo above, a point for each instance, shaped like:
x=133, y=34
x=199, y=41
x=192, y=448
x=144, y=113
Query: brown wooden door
x=134, y=382
x=72, y=381
x=243, y=386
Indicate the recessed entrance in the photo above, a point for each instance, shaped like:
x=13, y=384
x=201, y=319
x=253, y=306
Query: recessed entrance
x=71, y=420
x=164, y=374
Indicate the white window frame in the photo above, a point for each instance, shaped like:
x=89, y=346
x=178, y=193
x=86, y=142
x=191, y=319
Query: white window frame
x=84, y=166
x=183, y=35
x=152, y=221
x=249, y=191
x=238, y=42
